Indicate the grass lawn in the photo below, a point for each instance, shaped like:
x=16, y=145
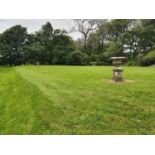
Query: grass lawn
x=76, y=100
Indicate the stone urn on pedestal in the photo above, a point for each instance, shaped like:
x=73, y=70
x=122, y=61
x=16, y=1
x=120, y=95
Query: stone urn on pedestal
x=117, y=70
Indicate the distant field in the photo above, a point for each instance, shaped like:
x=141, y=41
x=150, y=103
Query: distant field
x=76, y=100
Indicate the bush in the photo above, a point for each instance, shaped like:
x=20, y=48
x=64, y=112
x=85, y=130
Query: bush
x=148, y=59
x=102, y=60
x=77, y=58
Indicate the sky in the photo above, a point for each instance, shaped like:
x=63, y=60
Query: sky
x=35, y=24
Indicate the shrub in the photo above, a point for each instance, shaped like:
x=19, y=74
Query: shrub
x=148, y=59
x=102, y=60
x=77, y=58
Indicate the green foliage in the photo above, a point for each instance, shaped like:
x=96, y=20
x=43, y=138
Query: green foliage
x=36, y=53
x=113, y=49
x=148, y=22
x=148, y=59
x=47, y=46
x=117, y=27
x=77, y=58
x=12, y=43
x=107, y=38
x=146, y=38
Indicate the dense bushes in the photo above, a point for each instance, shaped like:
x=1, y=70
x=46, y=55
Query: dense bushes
x=142, y=59
x=148, y=59
x=77, y=58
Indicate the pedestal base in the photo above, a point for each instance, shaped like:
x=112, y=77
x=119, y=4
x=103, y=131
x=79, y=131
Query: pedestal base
x=117, y=74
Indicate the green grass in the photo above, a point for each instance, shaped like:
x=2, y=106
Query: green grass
x=76, y=100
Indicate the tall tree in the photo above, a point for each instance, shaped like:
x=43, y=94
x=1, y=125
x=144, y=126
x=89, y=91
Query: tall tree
x=117, y=27
x=85, y=27
x=45, y=39
x=12, y=43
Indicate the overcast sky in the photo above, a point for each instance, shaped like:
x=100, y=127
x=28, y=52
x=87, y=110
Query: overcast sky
x=35, y=24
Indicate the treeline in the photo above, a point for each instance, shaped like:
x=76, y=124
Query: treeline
x=47, y=46
x=101, y=39
x=134, y=39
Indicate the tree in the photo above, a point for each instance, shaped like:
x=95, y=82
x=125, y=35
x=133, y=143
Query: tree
x=12, y=43
x=130, y=39
x=146, y=37
x=97, y=41
x=108, y=31
x=102, y=32
x=63, y=45
x=139, y=40
x=85, y=26
x=117, y=27
x=46, y=39
x=114, y=49
x=93, y=45
x=35, y=53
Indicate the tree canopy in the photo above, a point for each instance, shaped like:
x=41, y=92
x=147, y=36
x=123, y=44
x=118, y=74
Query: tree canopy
x=100, y=40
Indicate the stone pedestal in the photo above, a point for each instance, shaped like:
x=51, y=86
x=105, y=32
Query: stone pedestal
x=117, y=74
x=117, y=71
